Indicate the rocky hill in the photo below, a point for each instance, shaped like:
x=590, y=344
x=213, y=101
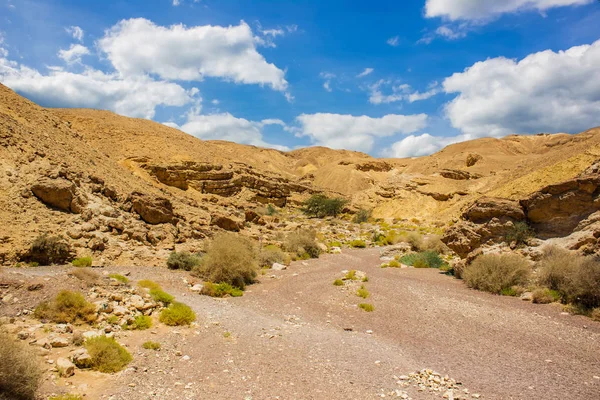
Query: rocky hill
x=126, y=189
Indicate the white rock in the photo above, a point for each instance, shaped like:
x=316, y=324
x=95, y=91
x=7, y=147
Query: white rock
x=65, y=367
x=278, y=267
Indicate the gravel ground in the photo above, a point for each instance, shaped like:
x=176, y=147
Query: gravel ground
x=296, y=336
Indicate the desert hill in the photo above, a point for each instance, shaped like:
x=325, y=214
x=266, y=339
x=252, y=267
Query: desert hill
x=109, y=181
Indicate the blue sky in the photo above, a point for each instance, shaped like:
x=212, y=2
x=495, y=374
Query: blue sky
x=390, y=78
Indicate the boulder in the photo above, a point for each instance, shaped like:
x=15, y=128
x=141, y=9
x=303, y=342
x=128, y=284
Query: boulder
x=472, y=159
x=457, y=175
x=58, y=341
x=81, y=358
x=65, y=367
x=153, y=209
x=278, y=267
x=228, y=223
x=59, y=193
x=487, y=208
x=394, y=250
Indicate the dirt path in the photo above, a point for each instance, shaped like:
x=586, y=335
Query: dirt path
x=289, y=338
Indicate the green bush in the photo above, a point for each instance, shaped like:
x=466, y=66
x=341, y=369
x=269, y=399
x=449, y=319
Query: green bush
x=351, y=275
x=149, y=345
x=320, y=206
x=338, y=282
x=229, y=258
x=106, y=354
x=394, y=264
x=82, y=262
x=363, y=292
x=358, y=244
x=183, y=260
x=302, y=242
x=46, y=250
x=160, y=296
x=545, y=296
x=140, y=322
x=367, y=307
x=67, y=307
x=361, y=216
x=519, y=233
x=495, y=273
x=434, y=243
x=576, y=278
x=220, y=290
x=148, y=284
x=118, y=277
x=270, y=255
x=20, y=372
x=425, y=259
x=177, y=314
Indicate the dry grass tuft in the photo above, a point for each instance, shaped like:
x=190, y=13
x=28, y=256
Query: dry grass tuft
x=67, y=307
x=303, y=243
x=20, y=372
x=88, y=276
x=177, y=314
x=107, y=355
x=496, y=273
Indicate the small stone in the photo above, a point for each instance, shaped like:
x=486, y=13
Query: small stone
x=57, y=341
x=278, y=267
x=369, y=332
x=185, y=358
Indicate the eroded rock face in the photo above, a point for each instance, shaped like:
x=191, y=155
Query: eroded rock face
x=486, y=208
x=153, y=209
x=59, y=193
x=473, y=158
x=228, y=223
x=458, y=175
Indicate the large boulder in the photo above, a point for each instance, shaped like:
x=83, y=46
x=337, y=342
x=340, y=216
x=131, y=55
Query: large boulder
x=59, y=193
x=487, y=208
x=153, y=209
x=228, y=223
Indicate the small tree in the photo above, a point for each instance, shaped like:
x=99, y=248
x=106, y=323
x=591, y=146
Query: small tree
x=319, y=206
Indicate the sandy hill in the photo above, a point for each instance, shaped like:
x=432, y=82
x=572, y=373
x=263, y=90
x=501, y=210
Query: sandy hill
x=107, y=180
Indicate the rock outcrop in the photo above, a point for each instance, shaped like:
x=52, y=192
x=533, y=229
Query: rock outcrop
x=458, y=175
x=59, y=193
x=152, y=209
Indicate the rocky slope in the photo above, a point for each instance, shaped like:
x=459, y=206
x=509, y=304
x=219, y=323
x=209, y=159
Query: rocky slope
x=129, y=190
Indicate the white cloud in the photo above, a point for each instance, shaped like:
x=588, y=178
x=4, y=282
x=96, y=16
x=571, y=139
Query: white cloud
x=76, y=32
x=421, y=145
x=132, y=96
x=328, y=76
x=544, y=92
x=399, y=92
x=73, y=54
x=227, y=127
x=176, y=2
x=327, y=86
x=394, y=41
x=355, y=132
x=366, y=72
x=487, y=9
x=138, y=46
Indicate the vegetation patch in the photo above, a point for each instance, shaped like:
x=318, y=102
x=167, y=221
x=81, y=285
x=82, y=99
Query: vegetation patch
x=140, y=322
x=183, y=260
x=82, y=262
x=519, y=233
x=303, y=243
x=496, y=273
x=270, y=255
x=118, y=277
x=67, y=307
x=106, y=354
x=363, y=292
x=67, y=396
x=229, y=258
x=88, y=276
x=150, y=345
x=545, y=296
x=362, y=216
x=177, y=314
x=320, y=206
x=160, y=296
x=47, y=250
x=366, y=307
x=20, y=373
x=148, y=284
x=358, y=244
x=351, y=276
x=220, y=290
x=424, y=259
x=338, y=282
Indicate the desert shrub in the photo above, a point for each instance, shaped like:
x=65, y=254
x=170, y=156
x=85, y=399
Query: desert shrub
x=363, y=292
x=379, y=239
x=335, y=243
x=351, y=275
x=358, y=244
x=270, y=255
x=338, y=282
x=365, y=279
x=140, y=322
x=425, y=259
x=183, y=260
x=20, y=372
x=394, y=264
x=519, y=233
x=112, y=320
x=67, y=307
x=86, y=275
x=302, y=242
x=220, y=290
x=177, y=314
x=271, y=210
x=106, y=354
x=150, y=345
x=545, y=296
x=229, y=258
x=67, y=396
x=160, y=296
x=118, y=277
x=46, y=250
x=77, y=339
x=148, y=284
x=362, y=216
x=415, y=240
x=576, y=278
x=319, y=205
x=82, y=262
x=595, y=314
x=434, y=243
x=496, y=272
x=512, y=291
x=367, y=307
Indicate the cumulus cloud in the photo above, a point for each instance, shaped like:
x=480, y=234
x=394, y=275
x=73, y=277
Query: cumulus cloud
x=422, y=145
x=394, y=41
x=76, y=32
x=138, y=46
x=366, y=72
x=399, y=92
x=73, y=54
x=133, y=96
x=487, y=9
x=546, y=91
x=327, y=76
x=225, y=126
x=355, y=132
